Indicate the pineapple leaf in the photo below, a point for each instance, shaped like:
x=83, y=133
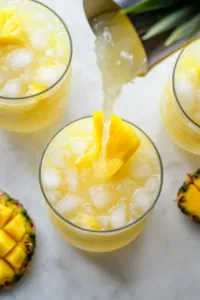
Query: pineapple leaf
x=169, y=22
x=147, y=5
x=185, y=30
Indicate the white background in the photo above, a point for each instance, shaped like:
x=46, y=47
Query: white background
x=164, y=263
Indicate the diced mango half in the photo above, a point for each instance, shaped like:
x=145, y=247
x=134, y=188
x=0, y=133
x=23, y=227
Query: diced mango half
x=11, y=31
x=16, y=227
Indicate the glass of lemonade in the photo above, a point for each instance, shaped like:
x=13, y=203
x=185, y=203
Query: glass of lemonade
x=35, y=65
x=92, y=213
x=180, y=103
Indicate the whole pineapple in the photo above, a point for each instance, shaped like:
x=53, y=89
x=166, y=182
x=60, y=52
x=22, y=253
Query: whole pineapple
x=17, y=240
x=189, y=197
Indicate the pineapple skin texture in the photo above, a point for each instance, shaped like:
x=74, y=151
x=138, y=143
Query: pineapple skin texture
x=17, y=240
x=188, y=198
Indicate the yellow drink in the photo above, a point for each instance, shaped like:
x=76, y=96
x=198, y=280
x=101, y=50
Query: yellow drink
x=92, y=213
x=35, y=68
x=180, y=103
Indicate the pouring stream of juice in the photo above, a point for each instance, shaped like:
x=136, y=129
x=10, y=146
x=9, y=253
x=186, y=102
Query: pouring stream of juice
x=120, y=58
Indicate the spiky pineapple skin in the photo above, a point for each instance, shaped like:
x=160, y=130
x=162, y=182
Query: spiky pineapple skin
x=192, y=182
x=27, y=242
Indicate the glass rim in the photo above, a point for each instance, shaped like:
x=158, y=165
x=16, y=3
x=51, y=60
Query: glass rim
x=174, y=86
x=92, y=230
x=67, y=67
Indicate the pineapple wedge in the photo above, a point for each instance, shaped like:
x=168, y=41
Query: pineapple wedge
x=122, y=144
x=17, y=240
x=189, y=197
x=88, y=221
x=11, y=31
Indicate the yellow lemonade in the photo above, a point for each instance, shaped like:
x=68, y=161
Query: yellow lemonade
x=95, y=213
x=35, y=58
x=180, y=103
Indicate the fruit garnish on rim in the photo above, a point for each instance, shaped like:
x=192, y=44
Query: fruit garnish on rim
x=122, y=143
x=189, y=197
x=17, y=240
x=11, y=31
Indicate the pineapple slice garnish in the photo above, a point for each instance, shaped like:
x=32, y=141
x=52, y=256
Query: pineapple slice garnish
x=11, y=31
x=122, y=144
x=88, y=221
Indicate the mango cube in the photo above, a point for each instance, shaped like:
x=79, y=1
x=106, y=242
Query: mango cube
x=6, y=243
x=16, y=227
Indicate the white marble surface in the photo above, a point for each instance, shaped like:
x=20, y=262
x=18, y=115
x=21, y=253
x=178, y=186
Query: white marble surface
x=164, y=262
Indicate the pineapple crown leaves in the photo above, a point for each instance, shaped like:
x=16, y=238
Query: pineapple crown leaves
x=176, y=18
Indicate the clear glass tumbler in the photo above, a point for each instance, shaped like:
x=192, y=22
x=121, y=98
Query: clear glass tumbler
x=179, y=105
x=36, y=111
x=97, y=240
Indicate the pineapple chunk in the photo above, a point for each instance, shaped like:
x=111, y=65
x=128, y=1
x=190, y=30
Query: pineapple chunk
x=16, y=257
x=11, y=31
x=16, y=227
x=88, y=221
x=5, y=213
x=6, y=243
x=122, y=144
x=6, y=272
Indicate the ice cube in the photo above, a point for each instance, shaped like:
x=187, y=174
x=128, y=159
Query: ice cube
x=141, y=170
x=49, y=52
x=3, y=75
x=185, y=93
x=11, y=89
x=104, y=220
x=51, y=179
x=54, y=195
x=72, y=180
x=87, y=207
x=100, y=195
x=69, y=204
x=119, y=217
x=78, y=145
x=39, y=39
x=19, y=58
x=126, y=186
x=40, y=16
x=153, y=184
x=58, y=158
x=49, y=75
x=134, y=212
x=142, y=198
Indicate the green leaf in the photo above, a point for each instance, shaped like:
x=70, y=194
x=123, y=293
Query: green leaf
x=169, y=22
x=186, y=30
x=145, y=21
x=147, y=5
